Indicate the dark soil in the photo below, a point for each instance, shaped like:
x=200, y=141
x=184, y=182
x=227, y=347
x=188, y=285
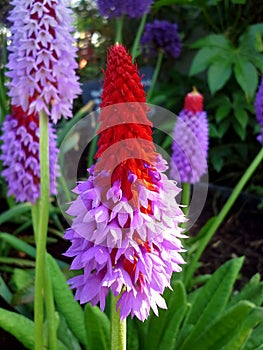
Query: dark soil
x=241, y=234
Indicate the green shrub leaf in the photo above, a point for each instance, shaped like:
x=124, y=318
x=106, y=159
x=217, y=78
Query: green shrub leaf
x=218, y=74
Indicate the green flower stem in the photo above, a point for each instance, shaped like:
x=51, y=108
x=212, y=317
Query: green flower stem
x=50, y=309
x=221, y=216
x=42, y=231
x=136, y=43
x=119, y=26
x=186, y=194
x=49, y=300
x=155, y=74
x=118, y=327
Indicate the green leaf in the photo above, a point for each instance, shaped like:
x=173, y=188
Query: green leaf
x=255, y=339
x=158, y=325
x=223, y=110
x=239, y=130
x=66, y=336
x=19, y=326
x=246, y=76
x=241, y=116
x=213, y=40
x=14, y=212
x=217, y=161
x=221, y=330
x=252, y=291
x=212, y=299
x=244, y=329
x=65, y=302
x=218, y=74
x=18, y=244
x=132, y=335
x=98, y=328
x=238, y=2
x=202, y=59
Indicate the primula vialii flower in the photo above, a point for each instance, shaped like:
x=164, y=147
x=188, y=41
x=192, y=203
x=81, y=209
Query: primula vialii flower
x=259, y=110
x=190, y=141
x=42, y=59
x=161, y=35
x=20, y=155
x=117, y=8
x=125, y=233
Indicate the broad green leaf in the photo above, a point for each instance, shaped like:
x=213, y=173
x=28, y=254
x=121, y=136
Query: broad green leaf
x=218, y=74
x=212, y=299
x=246, y=76
x=213, y=40
x=238, y=2
x=202, y=59
x=255, y=339
x=244, y=329
x=220, y=331
x=19, y=326
x=65, y=302
x=158, y=325
x=98, y=328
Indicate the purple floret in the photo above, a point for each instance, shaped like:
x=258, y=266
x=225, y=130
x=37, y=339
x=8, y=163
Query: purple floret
x=161, y=35
x=20, y=157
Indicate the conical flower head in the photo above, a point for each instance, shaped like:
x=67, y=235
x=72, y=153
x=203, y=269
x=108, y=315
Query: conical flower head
x=20, y=155
x=259, y=110
x=190, y=141
x=117, y=8
x=125, y=234
x=42, y=58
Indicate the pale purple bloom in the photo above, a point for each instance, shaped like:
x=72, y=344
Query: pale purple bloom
x=42, y=58
x=161, y=35
x=122, y=249
x=131, y=8
x=20, y=156
x=259, y=110
x=190, y=147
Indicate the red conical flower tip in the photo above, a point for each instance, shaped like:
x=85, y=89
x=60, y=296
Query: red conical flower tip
x=194, y=101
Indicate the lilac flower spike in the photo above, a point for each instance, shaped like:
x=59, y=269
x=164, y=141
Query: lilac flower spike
x=125, y=233
x=131, y=8
x=42, y=58
x=161, y=35
x=259, y=110
x=190, y=145
x=20, y=156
